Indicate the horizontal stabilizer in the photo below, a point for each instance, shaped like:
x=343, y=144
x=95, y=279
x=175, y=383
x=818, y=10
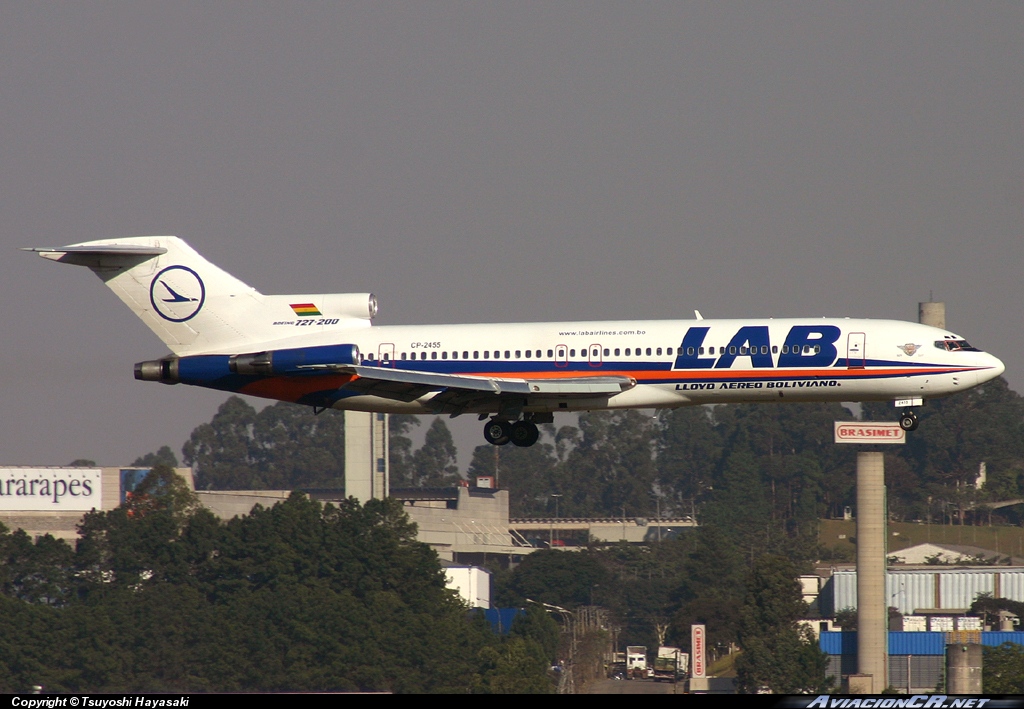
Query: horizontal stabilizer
x=109, y=250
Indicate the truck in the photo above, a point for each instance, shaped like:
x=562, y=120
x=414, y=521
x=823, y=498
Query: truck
x=636, y=661
x=671, y=664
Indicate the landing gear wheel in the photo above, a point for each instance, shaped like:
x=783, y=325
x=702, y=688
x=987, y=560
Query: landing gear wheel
x=497, y=432
x=908, y=421
x=524, y=433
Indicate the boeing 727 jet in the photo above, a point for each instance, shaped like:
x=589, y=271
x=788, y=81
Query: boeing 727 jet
x=322, y=350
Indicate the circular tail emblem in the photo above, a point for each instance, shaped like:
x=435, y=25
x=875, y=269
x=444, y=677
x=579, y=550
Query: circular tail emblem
x=177, y=293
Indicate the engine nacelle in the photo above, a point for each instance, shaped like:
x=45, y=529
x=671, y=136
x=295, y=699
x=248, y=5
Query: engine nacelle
x=345, y=306
x=202, y=369
x=292, y=361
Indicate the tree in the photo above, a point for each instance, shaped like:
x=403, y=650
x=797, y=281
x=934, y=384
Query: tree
x=164, y=456
x=517, y=666
x=559, y=578
x=1003, y=669
x=434, y=464
x=222, y=450
x=526, y=473
x=610, y=466
x=689, y=448
x=400, y=448
x=776, y=655
x=283, y=446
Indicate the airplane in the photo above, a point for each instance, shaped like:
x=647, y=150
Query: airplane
x=323, y=351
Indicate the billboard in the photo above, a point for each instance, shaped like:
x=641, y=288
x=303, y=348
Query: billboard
x=50, y=489
x=698, y=650
x=869, y=432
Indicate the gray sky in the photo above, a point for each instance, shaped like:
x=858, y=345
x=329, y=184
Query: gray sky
x=497, y=161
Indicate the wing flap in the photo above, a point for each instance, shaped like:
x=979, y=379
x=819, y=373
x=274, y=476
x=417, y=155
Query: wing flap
x=406, y=385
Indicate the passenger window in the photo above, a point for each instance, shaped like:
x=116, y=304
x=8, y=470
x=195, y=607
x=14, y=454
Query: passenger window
x=528, y=354
x=743, y=350
x=497, y=354
x=507, y=353
x=659, y=350
x=616, y=351
x=732, y=350
x=433, y=355
x=648, y=351
x=764, y=349
x=476, y=354
x=519, y=354
x=486, y=354
x=627, y=352
x=551, y=353
x=689, y=352
x=572, y=353
x=817, y=349
x=444, y=355
x=605, y=351
x=775, y=349
x=465, y=355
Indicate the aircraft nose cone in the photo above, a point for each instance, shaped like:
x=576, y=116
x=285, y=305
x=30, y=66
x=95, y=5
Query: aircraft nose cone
x=995, y=368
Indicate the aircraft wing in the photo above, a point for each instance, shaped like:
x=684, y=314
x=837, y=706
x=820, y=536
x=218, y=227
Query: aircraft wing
x=456, y=391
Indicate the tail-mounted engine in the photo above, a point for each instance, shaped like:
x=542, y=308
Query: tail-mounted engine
x=200, y=369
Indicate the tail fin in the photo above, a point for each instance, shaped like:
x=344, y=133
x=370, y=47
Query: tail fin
x=198, y=308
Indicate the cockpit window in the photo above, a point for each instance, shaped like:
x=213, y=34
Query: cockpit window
x=956, y=346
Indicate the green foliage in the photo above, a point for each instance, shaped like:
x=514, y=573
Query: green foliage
x=517, y=666
x=34, y=572
x=284, y=446
x=775, y=654
x=610, y=467
x=434, y=464
x=940, y=462
x=991, y=607
x=164, y=456
x=527, y=474
x=689, y=447
x=538, y=626
x=1003, y=669
x=400, y=448
x=559, y=578
x=298, y=597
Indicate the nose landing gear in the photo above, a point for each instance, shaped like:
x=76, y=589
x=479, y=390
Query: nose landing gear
x=908, y=420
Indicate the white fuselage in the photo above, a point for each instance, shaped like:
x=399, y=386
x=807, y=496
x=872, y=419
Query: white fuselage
x=679, y=362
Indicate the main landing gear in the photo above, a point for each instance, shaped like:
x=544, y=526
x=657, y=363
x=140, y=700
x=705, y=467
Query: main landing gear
x=908, y=420
x=522, y=433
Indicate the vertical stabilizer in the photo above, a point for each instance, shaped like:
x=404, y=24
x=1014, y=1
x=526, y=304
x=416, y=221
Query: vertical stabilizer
x=191, y=304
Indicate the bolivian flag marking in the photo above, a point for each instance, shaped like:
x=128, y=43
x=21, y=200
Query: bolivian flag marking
x=305, y=310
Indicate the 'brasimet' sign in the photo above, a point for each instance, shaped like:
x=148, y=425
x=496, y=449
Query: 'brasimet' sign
x=38, y=489
x=865, y=432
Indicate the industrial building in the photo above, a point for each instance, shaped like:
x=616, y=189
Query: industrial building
x=53, y=500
